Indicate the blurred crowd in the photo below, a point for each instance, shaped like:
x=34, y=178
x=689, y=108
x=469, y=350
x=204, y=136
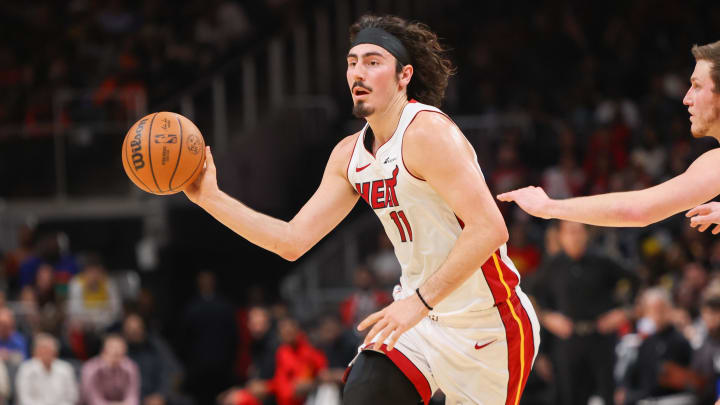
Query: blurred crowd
x=73, y=331
x=629, y=315
x=113, y=51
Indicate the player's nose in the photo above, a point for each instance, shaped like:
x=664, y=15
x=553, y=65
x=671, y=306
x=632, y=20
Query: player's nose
x=687, y=100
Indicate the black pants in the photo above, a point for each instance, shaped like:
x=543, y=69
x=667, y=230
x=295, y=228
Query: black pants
x=375, y=380
x=583, y=367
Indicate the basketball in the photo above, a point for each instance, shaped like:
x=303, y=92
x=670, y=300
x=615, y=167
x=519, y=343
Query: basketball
x=163, y=152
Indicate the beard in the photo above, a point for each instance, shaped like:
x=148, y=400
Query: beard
x=362, y=110
x=702, y=128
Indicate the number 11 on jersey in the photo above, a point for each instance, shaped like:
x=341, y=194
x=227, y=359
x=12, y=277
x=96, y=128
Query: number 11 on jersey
x=396, y=217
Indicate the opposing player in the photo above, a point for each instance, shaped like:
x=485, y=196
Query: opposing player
x=698, y=184
x=459, y=321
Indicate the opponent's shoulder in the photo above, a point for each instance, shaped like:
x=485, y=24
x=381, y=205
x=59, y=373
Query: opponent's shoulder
x=708, y=160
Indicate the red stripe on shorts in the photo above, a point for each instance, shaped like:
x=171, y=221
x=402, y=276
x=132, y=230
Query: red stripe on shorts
x=501, y=280
x=518, y=331
x=416, y=377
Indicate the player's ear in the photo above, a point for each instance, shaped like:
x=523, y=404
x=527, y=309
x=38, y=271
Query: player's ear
x=405, y=75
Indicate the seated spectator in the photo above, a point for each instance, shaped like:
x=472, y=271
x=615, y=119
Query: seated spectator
x=93, y=300
x=384, y=263
x=297, y=365
x=13, y=345
x=339, y=346
x=364, y=301
x=705, y=359
x=111, y=377
x=263, y=345
x=159, y=369
x=44, y=379
x=51, y=249
x=662, y=351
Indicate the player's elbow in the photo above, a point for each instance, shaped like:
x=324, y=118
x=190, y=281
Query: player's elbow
x=638, y=215
x=290, y=253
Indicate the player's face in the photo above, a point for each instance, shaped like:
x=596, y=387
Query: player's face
x=371, y=77
x=703, y=103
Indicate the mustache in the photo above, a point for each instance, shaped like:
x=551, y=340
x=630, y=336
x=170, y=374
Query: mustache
x=360, y=84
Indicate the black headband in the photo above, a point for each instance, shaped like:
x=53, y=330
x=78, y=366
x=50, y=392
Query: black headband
x=383, y=39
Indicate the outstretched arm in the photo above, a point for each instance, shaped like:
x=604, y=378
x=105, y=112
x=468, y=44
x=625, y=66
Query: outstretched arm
x=332, y=201
x=697, y=185
x=436, y=150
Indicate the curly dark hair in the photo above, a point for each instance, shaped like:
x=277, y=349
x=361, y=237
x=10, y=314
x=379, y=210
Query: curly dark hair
x=431, y=66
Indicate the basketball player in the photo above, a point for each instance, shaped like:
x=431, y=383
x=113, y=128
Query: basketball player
x=698, y=184
x=459, y=321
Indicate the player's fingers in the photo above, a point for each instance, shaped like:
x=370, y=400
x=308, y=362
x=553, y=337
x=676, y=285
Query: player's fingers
x=716, y=230
x=209, y=161
x=702, y=220
x=704, y=227
x=394, y=338
x=384, y=335
x=700, y=209
x=369, y=320
x=374, y=331
x=506, y=196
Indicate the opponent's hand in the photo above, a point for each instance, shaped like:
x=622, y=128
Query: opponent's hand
x=532, y=200
x=703, y=216
x=206, y=182
x=393, y=320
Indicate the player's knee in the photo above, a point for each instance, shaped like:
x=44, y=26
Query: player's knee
x=375, y=380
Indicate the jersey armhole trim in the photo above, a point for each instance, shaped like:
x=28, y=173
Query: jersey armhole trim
x=352, y=153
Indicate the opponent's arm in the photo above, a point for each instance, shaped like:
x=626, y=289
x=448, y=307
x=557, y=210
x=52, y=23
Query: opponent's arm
x=699, y=183
x=332, y=201
x=436, y=151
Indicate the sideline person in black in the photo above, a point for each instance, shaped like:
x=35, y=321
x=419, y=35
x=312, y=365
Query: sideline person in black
x=575, y=292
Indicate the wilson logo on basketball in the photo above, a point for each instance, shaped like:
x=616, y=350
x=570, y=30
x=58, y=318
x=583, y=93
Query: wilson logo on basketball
x=136, y=145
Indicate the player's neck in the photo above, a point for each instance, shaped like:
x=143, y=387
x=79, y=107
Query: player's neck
x=385, y=122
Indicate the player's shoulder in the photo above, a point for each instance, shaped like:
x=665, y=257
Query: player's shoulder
x=342, y=152
x=711, y=157
x=346, y=145
x=432, y=129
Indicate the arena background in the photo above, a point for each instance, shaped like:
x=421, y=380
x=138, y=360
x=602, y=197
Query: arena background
x=590, y=94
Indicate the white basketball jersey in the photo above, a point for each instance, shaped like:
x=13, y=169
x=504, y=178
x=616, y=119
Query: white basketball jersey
x=420, y=224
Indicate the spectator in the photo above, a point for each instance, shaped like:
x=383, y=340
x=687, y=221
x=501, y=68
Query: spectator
x=111, y=377
x=574, y=290
x=705, y=359
x=13, y=345
x=364, y=301
x=52, y=249
x=93, y=301
x=44, y=379
x=524, y=254
x=662, y=355
x=384, y=263
x=297, y=366
x=159, y=369
x=339, y=346
x=209, y=338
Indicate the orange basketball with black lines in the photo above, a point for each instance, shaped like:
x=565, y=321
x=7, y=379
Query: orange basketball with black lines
x=163, y=153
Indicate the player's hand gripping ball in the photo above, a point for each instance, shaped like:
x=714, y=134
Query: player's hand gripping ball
x=163, y=153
